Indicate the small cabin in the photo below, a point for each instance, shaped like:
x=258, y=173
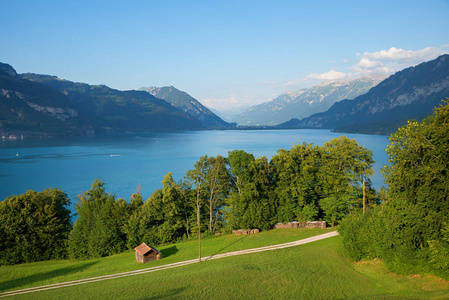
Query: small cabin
x=145, y=253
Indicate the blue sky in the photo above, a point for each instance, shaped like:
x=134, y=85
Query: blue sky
x=224, y=53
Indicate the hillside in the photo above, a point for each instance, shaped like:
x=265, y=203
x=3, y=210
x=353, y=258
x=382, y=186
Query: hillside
x=315, y=270
x=187, y=104
x=110, y=110
x=409, y=94
x=306, y=102
x=32, y=109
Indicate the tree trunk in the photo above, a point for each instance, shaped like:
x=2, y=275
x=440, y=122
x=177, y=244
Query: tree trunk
x=363, y=196
x=198, y=220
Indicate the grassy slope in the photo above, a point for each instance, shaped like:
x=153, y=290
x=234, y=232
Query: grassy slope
x=317, y=270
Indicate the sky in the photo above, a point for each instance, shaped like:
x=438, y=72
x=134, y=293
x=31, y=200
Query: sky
x=227, y=54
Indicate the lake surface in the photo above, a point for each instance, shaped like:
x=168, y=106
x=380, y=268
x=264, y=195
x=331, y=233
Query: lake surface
x=124, y=162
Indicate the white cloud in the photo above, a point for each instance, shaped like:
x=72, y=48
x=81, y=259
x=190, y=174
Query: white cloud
x=393, y=60
x=331, y=75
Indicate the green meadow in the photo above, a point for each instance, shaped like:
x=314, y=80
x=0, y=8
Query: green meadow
x=317, y=270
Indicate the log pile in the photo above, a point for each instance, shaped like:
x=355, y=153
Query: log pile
x=245, y=231
x=314, y=224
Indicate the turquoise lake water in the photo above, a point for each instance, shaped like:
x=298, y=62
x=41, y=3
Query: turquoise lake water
x=123, y=162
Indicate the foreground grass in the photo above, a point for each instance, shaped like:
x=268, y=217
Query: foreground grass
x=312, y=271
x=42, y=273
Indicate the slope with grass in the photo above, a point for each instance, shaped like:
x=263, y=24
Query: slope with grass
x=317, y=270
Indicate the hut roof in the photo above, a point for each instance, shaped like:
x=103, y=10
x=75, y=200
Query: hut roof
x=143, y=249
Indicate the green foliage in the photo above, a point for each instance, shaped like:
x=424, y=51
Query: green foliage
x=252, y=201
x=159, y=219
x=415, y=215
x=98, y=231
x=34, y=226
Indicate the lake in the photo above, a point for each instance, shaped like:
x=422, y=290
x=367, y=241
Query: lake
x=124, y=162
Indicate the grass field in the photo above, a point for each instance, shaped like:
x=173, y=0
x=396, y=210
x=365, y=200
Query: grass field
x=312, y=271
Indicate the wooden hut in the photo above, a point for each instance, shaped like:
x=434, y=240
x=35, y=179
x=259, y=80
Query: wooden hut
x=145, y=253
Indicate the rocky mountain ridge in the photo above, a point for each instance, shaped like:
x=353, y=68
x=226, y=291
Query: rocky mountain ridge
x=408, y=94
x=305, y=102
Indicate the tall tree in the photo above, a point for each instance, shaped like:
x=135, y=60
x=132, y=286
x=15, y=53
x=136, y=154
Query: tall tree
x=419, y=186
x=217, y=186
x=297, y=188
x=197, y=177
x=160, y=219
x=346, y=165
x=98, y=231
x=34, y=226
x=252, y=201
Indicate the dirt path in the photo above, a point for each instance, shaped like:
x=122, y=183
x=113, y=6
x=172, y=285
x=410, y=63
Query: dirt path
x=165, y=267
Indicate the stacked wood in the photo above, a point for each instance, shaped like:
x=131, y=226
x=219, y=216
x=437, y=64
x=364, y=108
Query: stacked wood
x=313, y=224
x=245, y=231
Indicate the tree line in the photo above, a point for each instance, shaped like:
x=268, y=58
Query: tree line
x=218, y=194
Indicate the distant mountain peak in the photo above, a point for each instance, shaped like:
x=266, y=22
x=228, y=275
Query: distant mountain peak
x=186, y=103
x=305, y=102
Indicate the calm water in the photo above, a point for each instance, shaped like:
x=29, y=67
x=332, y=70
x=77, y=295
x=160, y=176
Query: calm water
x=124, y=162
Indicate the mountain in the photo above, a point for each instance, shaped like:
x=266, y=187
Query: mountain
x=306, y=102
x=187, y=104
x=36, y=105
x=32, y=109
x=111, y=110
x=409, y=94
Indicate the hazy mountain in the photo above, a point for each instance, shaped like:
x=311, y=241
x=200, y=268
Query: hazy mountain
x=409, y=94
x=187, y=104
x=33, y=109
x=305, y=102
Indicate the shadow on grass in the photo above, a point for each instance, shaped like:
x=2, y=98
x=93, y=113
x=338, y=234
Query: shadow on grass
x=169, y=251
x=243, y=237
x=170, y=294
x=31, y=279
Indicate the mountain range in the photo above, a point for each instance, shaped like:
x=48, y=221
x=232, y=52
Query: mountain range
x=408, y=94
x=305, y=102
x=43, y=105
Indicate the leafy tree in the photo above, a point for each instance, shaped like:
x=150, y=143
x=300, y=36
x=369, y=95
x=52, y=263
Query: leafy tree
x=217, y=186
x=34, y=226
x=409, y=230
x=252, y=200
x=98, y=231
x=419, y=187
x=159, y=219
x=345, y=166
x=297, y=188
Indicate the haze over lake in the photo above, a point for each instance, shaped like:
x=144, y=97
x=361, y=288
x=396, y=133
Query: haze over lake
x=123, y=162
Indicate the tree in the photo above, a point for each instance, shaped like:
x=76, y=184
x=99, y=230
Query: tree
x=409, y=230
x=297, y=185
x=251, y=202
x=217, y=185
x=197, y=177
x=159, y=219
x=34, y=226
x=345, y=166
x=419, y=187
x=98, y=231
